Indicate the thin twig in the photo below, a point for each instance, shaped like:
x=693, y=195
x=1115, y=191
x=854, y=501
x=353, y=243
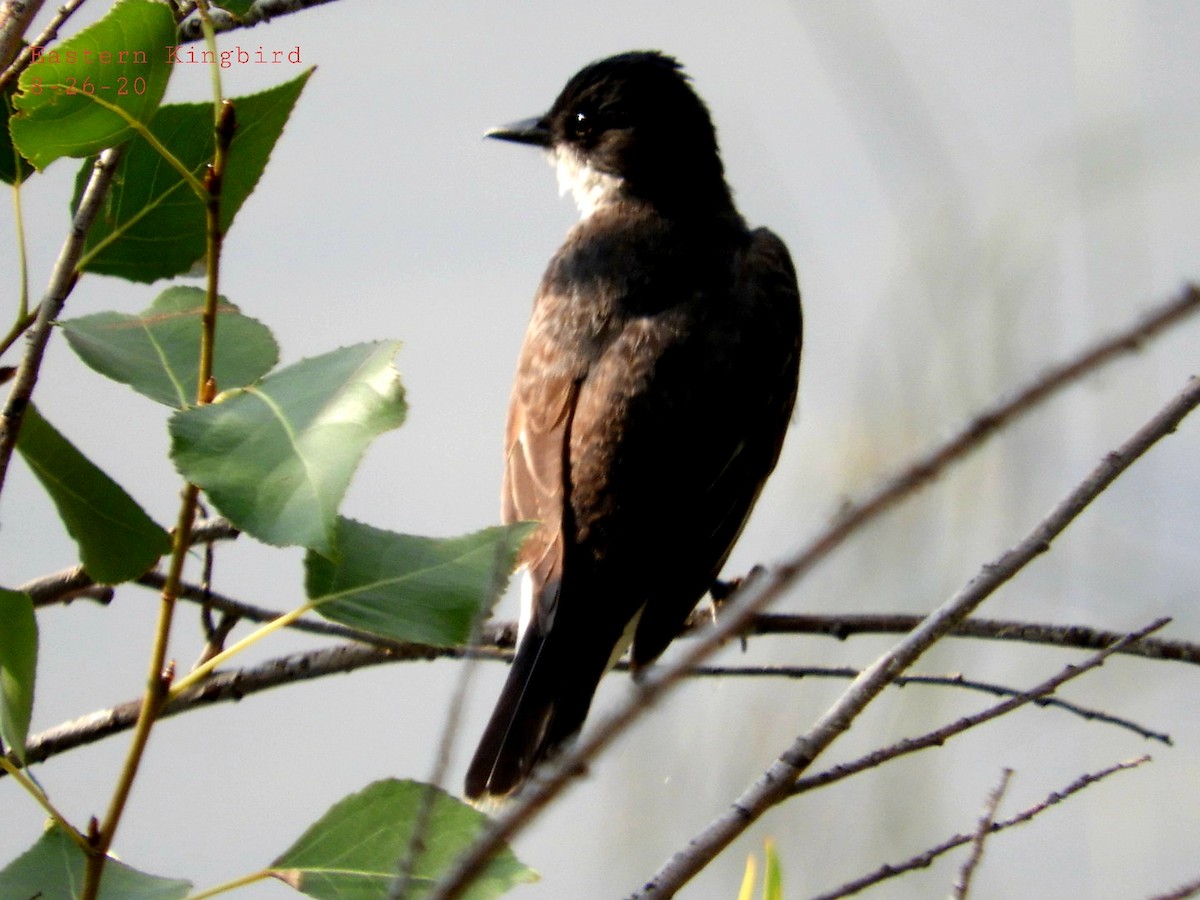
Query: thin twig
x=262, y=11
x=754, y=597
x=952, y=681
x=217, y=688
x=62, y=280
x=406, y=867
x=234, y=685
x=962, y=885
x=842, y=626
x=1191, y=889
x=923, y=860
x=778, y=780
x=15, y=18
x=49, y=33
x=939, y=736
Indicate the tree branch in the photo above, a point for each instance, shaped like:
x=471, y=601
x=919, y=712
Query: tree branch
x=15, y=19
x=987, y=822
x=939, y=736
x=777, y=782
x=234, y=685
x=49, y=33
x=62, y=280
x=921, y=861
x=262, y=11
x=753, y=597
x=842, y=626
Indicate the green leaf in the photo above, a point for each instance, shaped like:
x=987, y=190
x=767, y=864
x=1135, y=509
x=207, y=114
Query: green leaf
x=121, y=59
x=10, y=160
x=238, y=8
x=276, y=458
x=153, y=223
x=117, y=540
x=157, y=352
x=409, y=588
x=52, y=869
x=18, y=667
x=352, y=852
x=773, y=876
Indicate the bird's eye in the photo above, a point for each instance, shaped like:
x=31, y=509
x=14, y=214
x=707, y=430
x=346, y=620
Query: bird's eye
x=580, y=124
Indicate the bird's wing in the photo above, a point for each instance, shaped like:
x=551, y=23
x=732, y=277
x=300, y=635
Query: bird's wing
x=733, y=449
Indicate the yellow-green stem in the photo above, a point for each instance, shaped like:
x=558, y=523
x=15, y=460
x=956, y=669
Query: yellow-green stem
x=157, y=686
x=158, y=683
x=202, y=671
x=35, y=791
x=231, y=885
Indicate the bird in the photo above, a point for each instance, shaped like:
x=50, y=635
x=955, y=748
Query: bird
x=655, y=384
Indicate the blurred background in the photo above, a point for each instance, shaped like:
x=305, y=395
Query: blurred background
x=969, y=191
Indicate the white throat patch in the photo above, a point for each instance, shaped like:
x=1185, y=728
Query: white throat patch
x=591, y=188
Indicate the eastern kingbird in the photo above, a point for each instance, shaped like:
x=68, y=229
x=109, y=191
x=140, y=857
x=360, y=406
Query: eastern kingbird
x=651, y=397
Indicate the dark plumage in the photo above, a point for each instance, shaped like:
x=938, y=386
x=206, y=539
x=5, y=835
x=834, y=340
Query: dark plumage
x=651, y=398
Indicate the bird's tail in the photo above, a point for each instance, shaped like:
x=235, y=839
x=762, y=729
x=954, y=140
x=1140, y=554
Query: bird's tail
x=543, y=703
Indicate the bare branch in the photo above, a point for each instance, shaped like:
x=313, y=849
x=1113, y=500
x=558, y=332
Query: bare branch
x=62, y=279
x=962, y=885
x=15, y=19
x=923, y=860
x=952, y=681
x=777, y=782
x=1191, y=889
x=755, y=596
x=318, y=663
x=844, y=626
x=49, y=33
x=939, y=736
x=220, y=687
x=262, y=11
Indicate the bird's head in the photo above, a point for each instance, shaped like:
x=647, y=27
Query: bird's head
x=630, y=126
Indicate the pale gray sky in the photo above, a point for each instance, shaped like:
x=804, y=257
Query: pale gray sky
x=969, y=192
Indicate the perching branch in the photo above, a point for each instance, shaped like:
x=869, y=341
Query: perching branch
x=234, y=685
x=752, y=598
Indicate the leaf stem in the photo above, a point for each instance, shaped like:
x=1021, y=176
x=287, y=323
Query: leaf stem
x=206, y=668
x=35, y=791
x=231, y=885
x=158, y=684
x=147, y=135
